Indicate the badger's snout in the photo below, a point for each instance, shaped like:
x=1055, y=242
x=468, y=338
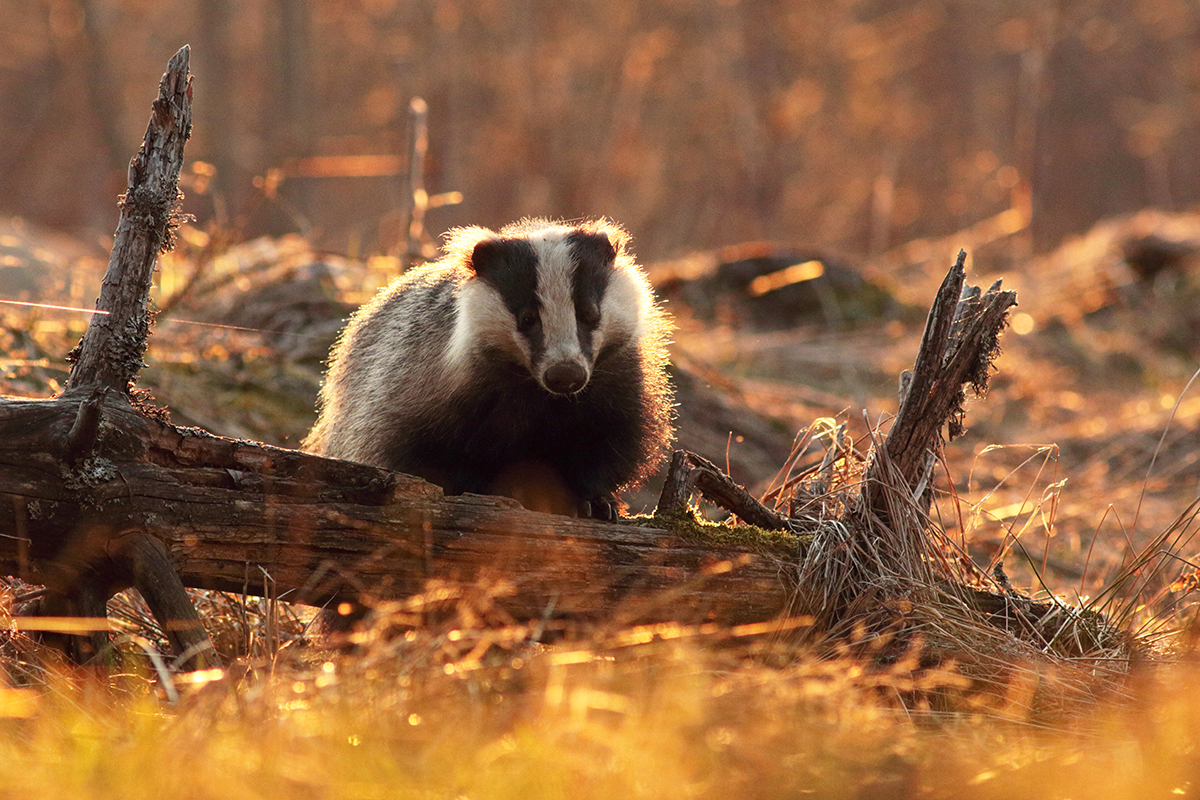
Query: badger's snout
x=566, y=377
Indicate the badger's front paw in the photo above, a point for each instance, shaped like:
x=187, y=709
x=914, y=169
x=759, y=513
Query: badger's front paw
x=605, y=509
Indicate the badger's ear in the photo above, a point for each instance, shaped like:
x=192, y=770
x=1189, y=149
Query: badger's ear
x=488, y=254
x=593, y=248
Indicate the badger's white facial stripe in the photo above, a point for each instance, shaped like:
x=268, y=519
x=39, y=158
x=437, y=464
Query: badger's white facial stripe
x=483, y=320
x=622, y=311
x=560, y=329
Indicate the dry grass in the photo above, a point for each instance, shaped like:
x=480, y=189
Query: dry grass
x=894, y=689
x=667, y=711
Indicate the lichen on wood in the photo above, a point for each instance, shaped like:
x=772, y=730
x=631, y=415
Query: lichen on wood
x=112, y=348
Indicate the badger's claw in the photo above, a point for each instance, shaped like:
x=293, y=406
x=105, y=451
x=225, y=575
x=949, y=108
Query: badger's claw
x=601, y=508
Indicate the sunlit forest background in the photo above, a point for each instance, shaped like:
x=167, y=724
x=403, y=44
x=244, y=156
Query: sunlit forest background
x=858, y=124
x=741, y=142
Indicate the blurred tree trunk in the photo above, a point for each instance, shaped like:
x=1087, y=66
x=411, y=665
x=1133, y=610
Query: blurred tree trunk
x=215, y=65
x=290, y=100
x=35, y=103
x=294, y=70
x=104, y=90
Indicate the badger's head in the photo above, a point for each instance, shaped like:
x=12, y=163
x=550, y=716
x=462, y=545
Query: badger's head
x=550, y=297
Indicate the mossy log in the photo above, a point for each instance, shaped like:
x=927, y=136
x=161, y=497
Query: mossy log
x=241, y=516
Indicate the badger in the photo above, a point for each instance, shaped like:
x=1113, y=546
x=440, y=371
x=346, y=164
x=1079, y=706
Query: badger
x=529, y=362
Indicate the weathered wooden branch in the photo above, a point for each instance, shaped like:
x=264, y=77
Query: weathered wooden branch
x=107, y=362
x=111, y=351
x=957, y=348
x=85, y=431
x=690, y=473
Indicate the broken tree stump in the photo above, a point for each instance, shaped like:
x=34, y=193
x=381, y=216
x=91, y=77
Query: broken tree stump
x=111, y=351
x=957, y=349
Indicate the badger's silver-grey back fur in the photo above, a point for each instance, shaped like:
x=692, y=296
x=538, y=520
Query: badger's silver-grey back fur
x=535, y=355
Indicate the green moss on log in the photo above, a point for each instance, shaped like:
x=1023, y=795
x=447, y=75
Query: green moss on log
x=785, y=545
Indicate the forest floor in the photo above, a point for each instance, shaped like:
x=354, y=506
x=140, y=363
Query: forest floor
x=1085, y=449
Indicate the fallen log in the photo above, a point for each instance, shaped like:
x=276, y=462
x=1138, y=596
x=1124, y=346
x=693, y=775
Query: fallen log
x=234, y=515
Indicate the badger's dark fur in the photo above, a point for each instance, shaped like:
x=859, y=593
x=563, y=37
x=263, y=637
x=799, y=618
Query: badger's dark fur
x=529, y=362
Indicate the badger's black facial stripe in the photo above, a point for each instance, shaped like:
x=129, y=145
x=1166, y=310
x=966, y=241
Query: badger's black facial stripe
x=593, y=255
x=510, y=267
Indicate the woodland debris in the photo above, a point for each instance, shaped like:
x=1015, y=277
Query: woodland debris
x=108, y=360
x=111, y=351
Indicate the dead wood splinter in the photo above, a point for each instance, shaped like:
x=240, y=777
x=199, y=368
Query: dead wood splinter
x=689, y=472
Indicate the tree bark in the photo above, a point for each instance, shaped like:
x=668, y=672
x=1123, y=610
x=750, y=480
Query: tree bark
x=323, y=530
x=111, y=351
x=957, y=348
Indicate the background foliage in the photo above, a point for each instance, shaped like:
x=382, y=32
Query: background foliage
x=855, y=123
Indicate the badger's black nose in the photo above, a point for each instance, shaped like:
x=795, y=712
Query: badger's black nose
x=566, y=378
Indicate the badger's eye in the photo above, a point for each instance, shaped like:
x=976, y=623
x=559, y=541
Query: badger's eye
x=527, y=320
x=588, y=314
